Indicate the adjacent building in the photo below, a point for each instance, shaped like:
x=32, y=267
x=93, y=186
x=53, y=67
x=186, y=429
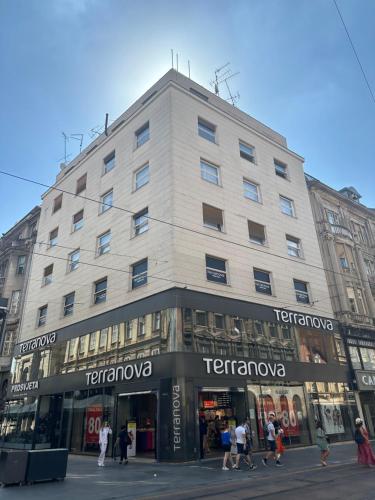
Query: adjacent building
x=179, y=275
x=346, y=232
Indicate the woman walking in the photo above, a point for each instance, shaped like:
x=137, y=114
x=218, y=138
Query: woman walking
x=322, y=442
x=105, y=429
x=226, y=445
x=365, y=454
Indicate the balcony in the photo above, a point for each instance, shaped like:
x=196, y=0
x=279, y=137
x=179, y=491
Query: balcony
x=361, y=319
x=342, y=231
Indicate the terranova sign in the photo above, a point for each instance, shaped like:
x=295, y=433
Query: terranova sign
x=304, y=320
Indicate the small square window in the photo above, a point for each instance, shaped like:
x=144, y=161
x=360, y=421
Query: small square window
x=109, y=162
x=210, y=172
x=247, y=152
x=262, y=281
x=206, y=130
x=140, y=222
x=69, y=304
x=42, y=315
x=106, y=201
x=143, y=134
x=251, y=190
x=57, y=203
x=100, y=291
x=216, y=269
x=280, y=169
x=21, y=264
x=78, y=220
x=104, y=243
x=53, y=237
x=294, y=246
x=257, y=232
x=139, y=273
x=212, y=217
x=73, y=262
x=286, y=206
x=47, y=275
x=302, y=294
x=81, y=184
x=142, y=176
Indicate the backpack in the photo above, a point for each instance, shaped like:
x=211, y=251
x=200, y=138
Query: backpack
x=358, y=438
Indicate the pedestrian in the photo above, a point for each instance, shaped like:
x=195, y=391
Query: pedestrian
x=271, y=438
x=248, y=447
x=202, y=435
x=322, y=442
x=280, y=448
x=240, y=443
x=226, y=444
x=124, y=442
x=105, y=429
x=365, y=454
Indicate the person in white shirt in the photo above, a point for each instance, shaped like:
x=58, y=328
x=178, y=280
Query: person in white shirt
x=240, y=442
x=105, y=429
x=271, y=438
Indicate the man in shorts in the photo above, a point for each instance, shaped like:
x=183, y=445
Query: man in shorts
x=271, y=438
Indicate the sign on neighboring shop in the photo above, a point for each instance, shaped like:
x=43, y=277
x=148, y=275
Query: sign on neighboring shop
x=94, y=416
x=39, y=342
x=24, y=387
x=365, y=380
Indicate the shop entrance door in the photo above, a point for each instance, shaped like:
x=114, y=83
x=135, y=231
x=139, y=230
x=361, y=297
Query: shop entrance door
x=368, y=406
x=138, y=411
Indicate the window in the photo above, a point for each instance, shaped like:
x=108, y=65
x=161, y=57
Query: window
x=333, y=218
x=262, y=281
x=157, y=321
x=81, y=184
x=354, y=357
x=57, y=203
x=128, y=330
x=104, y=243
x=257, y=233
x=114, y=336
x=73, y=260
x=69, y=304
x=302, y=294
x=139, y=273
x=15, y=302
x=201, y=318
x=251, y=190
x=155, y=351
x=109, y=162
x=247, y=152
x=42, y=315
x=103, y=338
x=72, y=348
x=140, y=222
x=100, y=291
x=92, y=341
x=47, y=275
x=212, y=217
x=286, y=206
x=143, y=134
x=344, y=263
x=53, y=237
x=141, y=326
x=216, y=269
x=280, y=169
x=351, y=298
x=142, y=176
x=294, y=246
x=9, y=341
x=78, y=220
x=210, y=172
x=81, y=344
x=219, y=321
x=206, y=130
x=21, y=264
x=273, y=330
x=106, y=201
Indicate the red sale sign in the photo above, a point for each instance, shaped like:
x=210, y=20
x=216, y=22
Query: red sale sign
x=94, y=415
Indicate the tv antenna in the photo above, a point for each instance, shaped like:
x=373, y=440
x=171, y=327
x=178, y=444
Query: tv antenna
x=78, y=137
x=222, y=75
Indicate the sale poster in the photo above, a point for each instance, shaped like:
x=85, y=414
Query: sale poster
x=332, y=419
x=94, y=415
x=132, y=431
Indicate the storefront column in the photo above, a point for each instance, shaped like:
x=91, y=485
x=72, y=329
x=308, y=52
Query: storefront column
x=364, y=278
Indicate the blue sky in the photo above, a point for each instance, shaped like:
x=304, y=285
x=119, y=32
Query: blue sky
x=65, y=63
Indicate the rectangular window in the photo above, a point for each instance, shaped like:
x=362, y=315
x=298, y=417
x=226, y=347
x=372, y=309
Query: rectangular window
x=100, y=291
x=257, y=232
x=156, y=321
x=114, y=336
x=81, y=344
x=294, y=246
x=53, y=237
x=280, y=169
x=21, y=264
x=139, y=273
x=9, y=341
x=302, y=294
x=142, y=176
x=141, y=326
x=351, y=298
x=354, y=358
x=247, y=152
x=262, y=280
x=104, y=243
x=286, y=206
x=72, y=347
x=109, y=162
x=47, y=274
x=219, y=321
x=128, y=330
x=57, y=203
x=15, y=302
x=143, y=134
x=106, y=201
x=333, y=218
x=69, y=304
x=92, y=341
x=140, y=222
x=251, y=190
x=73, y=262
x=212, y=217
x=81, y=184
x=206, y=130
x=78, y=220
x=155, y=351
x=210, y=173
x=216, y=269
x=201, y=318
x=103, y=338
x=42, y=315
x=344, y=263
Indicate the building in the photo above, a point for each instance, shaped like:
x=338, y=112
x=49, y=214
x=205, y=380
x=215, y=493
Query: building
x=346, y=232
x=181, y=276
x=16, y=246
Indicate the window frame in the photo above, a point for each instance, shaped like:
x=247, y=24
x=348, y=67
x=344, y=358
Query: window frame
x=14, y=304
x=99, y=253
x=110, y=159
x=80, y=188
x=207, y=130
x=216, y=227
x=301, y=293
x=42, y=319
x=244, y=154
x=136, y=276
x=263, y=283
x=138, y=229
x=206, y=176
x=72, y=264
x=76, y=226
x=47, y=278
x=146, y=166
x=21, y=267
x=282, y=165
x=256, y=185
x=54, y=240
x=68, y=306
x=255, y=241
x=285, y=198
x=293, y=239
x=57, y=203
x=104, y=206
x=138, y=134
x=212, y=270
x=98, y=292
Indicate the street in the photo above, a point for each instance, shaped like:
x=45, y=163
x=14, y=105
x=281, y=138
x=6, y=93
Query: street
x=301, y=476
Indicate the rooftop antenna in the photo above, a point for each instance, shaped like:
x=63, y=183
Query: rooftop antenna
x=177, y=61
x=172, y=59
x=78, y=137
x=222, y=75
x=66, y=139
x=106, y=125
x=189, y=68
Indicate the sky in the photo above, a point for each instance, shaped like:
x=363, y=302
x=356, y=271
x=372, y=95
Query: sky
x=66, y=63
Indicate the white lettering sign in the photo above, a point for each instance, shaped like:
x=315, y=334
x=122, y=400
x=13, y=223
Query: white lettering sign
x=176, y=417
x=368, y=379
x=244, y=368
x=25, y=386
x=43, y=341
x=119, y=373
x=304, y=320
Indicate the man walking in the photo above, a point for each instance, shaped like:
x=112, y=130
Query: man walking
x=241, y=444
x=271, y=438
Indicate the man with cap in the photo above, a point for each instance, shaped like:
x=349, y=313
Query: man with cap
x=271, y=438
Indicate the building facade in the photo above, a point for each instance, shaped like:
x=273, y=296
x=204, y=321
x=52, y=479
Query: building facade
x=180, y=277
x=346, y=232
x=16, y=246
